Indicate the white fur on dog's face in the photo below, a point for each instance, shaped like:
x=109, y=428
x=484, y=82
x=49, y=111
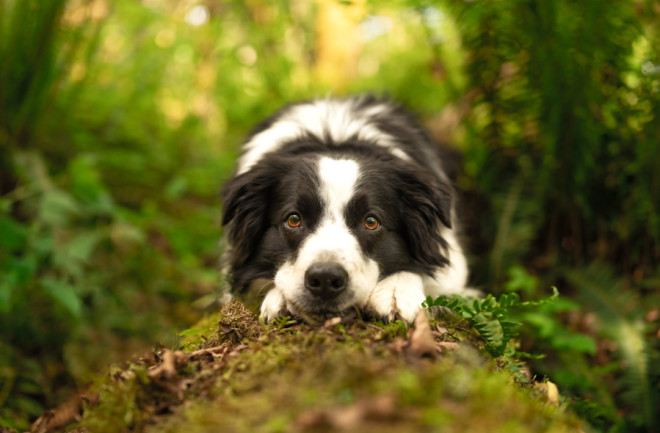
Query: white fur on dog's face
x=332, y=241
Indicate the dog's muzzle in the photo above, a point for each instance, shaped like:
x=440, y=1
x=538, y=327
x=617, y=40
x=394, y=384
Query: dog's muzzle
x=326, y=280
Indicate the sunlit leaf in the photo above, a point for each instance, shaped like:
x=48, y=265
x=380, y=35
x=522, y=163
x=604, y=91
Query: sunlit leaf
x=57, y=207
x=81, y=247
x=192, y=331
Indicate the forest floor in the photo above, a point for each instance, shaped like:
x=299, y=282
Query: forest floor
x=233, y=373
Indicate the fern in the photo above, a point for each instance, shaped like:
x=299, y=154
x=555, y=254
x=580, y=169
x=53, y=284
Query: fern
x=621, y=320
x=489, y=316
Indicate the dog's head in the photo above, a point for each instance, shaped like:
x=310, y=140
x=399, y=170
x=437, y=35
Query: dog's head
x=326, y=228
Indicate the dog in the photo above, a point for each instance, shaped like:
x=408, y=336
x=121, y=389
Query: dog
x=342, y=205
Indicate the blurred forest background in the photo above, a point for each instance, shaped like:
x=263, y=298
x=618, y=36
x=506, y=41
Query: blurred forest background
x=119, y=121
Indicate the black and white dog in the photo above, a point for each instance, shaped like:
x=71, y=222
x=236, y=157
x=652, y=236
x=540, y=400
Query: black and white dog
x=342, y=204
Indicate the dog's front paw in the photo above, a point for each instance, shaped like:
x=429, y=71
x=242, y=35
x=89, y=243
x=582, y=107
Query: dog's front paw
x=274, y=305
x=398, y=296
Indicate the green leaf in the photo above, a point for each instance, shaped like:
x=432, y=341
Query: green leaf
x=86, y=184
x=75, y=254
x=520, y=280
x=13, y=235
x=428, y=302
x=22, y=269
x=81, y=247
x=57, y=207
x=176, y=188
x=192, y=331
x=574, y=341
x=64, y=295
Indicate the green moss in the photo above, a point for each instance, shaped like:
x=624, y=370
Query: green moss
x=356, y=377
x=201, y=334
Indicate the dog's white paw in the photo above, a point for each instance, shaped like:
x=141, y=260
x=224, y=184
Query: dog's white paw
x=273, y=305
x=398, y=296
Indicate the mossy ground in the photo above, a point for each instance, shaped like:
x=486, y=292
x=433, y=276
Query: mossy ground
x=243, y=376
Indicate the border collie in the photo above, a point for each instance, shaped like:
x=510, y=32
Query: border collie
x=338, y=205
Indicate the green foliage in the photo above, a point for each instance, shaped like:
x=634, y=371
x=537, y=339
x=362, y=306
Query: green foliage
x=563, y=114
x=282, y=322
x=86, y=276
x=489, y=316
x=562, y=149
x=120, y=120
x=618, y=314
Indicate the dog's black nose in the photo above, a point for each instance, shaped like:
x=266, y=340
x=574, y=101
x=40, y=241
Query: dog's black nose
x=326, y=280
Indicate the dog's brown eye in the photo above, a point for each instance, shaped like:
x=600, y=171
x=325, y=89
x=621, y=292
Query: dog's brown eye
x=371, y=223
x=294, y=220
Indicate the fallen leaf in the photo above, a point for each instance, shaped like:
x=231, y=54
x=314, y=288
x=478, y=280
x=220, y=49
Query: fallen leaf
x=441, y=330
x=397, y=346
x=165, y=375
x=332, y=322
x=446, y=346
x=167, y=369
x=213, y=352
x=64, y=414
x=421, y=342
x=550, y=391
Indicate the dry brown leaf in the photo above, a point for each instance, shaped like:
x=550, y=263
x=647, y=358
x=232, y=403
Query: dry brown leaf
x=447, y=346
x=421, y=342
x=397, y=346
x=165, y=375
x=441, y=330
x=64, y=414
x=332, y=322
x=550, y=391
x=167, y=369
x=213, y=352
x=123, y=375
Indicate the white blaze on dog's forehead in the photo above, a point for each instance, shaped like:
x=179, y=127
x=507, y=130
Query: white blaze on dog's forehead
x=339, y=120
x=332, y=240
x=338, y=179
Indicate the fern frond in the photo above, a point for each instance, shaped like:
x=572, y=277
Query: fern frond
x=489, y=316
x=601, y=292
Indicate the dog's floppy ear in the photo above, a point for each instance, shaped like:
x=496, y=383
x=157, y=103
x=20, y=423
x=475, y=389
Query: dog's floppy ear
x=245, y=209
x=425, y=204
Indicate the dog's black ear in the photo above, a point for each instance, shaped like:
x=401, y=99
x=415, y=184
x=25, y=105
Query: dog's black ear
x=245, y=201
x=425, y=204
